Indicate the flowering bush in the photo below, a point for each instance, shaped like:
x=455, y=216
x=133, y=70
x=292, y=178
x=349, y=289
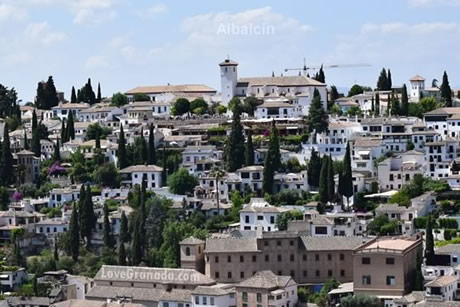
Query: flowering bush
x=56, y=169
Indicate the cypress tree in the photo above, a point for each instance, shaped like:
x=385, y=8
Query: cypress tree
x=6, y=160
x=136, y=246
x=63, y=132
x=321, y=77
x=314, y=169
x=124, y=232
x=347, y=175
x=341, y=185
x=152, y=151
x=382, y=82
x=164, y=173
x=51, y=94
x=330, y=180
x=272, y=161
x=235, y=146
x=40, y=98
x=446, y=92
x=74, y=232
x=249, y=150
x=108, y=240
x=88, y=218
x=389, y=82
x=418, y=276
x=26, y=141
x=372, y=105
x=98, y=140
x=377, y=104
x=395, y=106
x=317, y=119
x=56, y=251
x=36, y=147
x=404, y=102
x=144, y=152
x=70, y=127
x=57, y=152
x=429, y=242
x=323, y=189
x=122, y=161
x=99, y=95
x=121, y=254
x=73, y=96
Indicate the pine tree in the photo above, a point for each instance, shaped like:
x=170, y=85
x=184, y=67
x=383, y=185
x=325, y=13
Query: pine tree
x=347, y=175
x=70, y=127
x=389, y=82
x=323, y=182
x=74, y=233
x=330, y=180
x=99, y=95
x=107, y=228
x=272, y=161
x=57, y=152
x=429, y=242
x=124, y=232
x=122, y=161
x=446, y=92
x=317, y=120
x=377, y=104
x=121, y=254
x=382, y=82
x=314, y=169
x=6, y=159
x=51, y=94
x=235, y=145
x=152, y=159
x=73, y=96
x=136, y=246
x=249, y=150
x=404, y=101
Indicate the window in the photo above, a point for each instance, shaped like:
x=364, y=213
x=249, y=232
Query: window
x=241, y=258
x=245, y=296
x=366, y=280
x=267, y=258
x=229, y=258
x=342, y=273
x=291, y=242
x=279, y=257
x=187, y=251
x=390, y=260
x=211, y=300
x=272, y=220
x=329, y=273
x=265, y=243
x=216, y=259
x=246, y=219
x=254, y=258
x=342, y=257
x=197, y=300
x=317, y=273
x=390, y=280
x=260, y=217
x=217, y=275
x=317, y=257
x=304, y=257
x=259, y=298
x=205, y=300
x=291, y=257
x=278, y=243
x=242, y=274
x=365, y=260
x=229, y=274
x=329, y=257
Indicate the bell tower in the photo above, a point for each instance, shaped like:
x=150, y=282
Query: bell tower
x=229, y=79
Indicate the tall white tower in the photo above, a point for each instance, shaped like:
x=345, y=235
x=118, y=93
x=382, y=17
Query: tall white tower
x=417, y=86
x=228, y=78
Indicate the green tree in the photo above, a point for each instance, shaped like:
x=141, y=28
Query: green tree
x=334, y=94
x=70, y=127
x=429, y=242
x=317, y=119
x=284, y=218
x=360, y=300
x=152, y=156
x=107, y=228
x=446, y=91
x=356, y=89
x=347, y=175
x=404, y=102
x=119, y=99
x=122, y=159
x=181, y=106
x=4, y=198
x=330, y=180
x=314, y=169
x=141, y=97
x=156, y=221
x=73, y=96
x=382, y=82
x=200, y=104
x=99, y=94
x=6, y=160
x=136, y=246
x=323, y=182
x=182, y=182
x=389, y=82
x=64, y=137
x=107, y=175
x=377, y=104
x=235, y=143
x=95, y=130
x=36, y=147
x=87, y=216
x=250, y=105
x=418, y=275
x=74, y=232
x=57, y=152
x=124, y=232
x=121, y=254
x=272, y=161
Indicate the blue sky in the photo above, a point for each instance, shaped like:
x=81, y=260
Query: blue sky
x=126, y=43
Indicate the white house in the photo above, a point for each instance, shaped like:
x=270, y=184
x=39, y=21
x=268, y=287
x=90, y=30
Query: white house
x=259, y=213
x=135, y=174
x=213, y=296
x=441, y=289
x=59, y=196
x=10, y=280
x=52, y=227
x=62, y=110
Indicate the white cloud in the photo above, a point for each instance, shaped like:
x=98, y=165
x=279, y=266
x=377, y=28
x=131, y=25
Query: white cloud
x=415, y=29
x=431, y=3
x=153, y=11
x=10, y=12
x=96, y=62
x=41, y=33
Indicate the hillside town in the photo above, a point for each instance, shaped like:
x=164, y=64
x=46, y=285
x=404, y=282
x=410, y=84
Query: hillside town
x=271, y=191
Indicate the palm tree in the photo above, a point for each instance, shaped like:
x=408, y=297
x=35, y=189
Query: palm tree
x=217, y=172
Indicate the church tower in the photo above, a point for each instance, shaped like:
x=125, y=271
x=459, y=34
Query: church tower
x=228, y=78
x=417, y=86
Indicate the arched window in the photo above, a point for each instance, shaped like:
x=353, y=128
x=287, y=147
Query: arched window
x=187, y=251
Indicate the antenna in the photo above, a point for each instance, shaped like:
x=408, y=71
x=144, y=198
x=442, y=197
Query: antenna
x=306, y=68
